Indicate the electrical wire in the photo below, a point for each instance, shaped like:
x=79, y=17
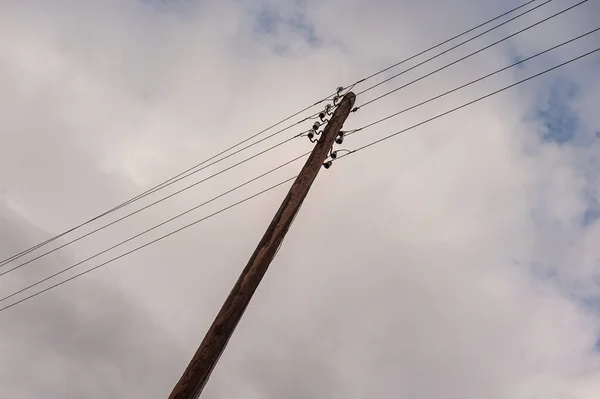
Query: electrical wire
x=144, y=208
x=265, y=138
x=145, y=245
x=446, y=41
x=171, y=180
x=469, y=103
x=455, y=47
x=283, y=182
x=159, y=225
x=353, y=131
x=156, y=188
x=463, y=58
x=348, y=134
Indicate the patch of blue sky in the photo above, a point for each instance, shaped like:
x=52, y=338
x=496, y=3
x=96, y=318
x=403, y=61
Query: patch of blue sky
x=573, y=290
x=583, y=293
x=300, y=24
x=181, y=8
x=589, y=164
x=271, y=20
x=514, y=56
x=558, y=121
x=592, y=213
x=267, y=19
x=591, y=305
x=169, y=4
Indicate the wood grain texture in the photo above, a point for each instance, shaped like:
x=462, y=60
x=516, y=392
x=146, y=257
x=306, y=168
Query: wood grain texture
x=206, y=357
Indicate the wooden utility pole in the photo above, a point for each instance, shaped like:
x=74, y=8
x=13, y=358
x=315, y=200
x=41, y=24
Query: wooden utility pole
x=196, y=374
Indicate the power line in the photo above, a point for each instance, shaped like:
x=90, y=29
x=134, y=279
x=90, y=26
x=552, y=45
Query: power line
x=285, y=141
x=472, y=82
x=170, y=180
x=145, y=207
x=352, y=132
x=265, y=138
x=156, y=188
x=468, y=55
x=159, y=225
x=454, y=47
x=447, y=41
x=287, y=180
x=469, y=103
x=147, y=244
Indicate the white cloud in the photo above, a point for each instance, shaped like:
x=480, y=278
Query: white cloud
x=409, y=270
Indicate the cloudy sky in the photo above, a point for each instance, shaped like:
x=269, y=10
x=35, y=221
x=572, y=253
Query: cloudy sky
x=456, y=261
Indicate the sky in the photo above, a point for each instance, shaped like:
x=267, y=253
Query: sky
x=457, y=260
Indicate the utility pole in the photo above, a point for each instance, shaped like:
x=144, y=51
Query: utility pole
x=196, y=374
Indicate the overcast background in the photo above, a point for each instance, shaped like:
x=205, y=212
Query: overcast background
x=460, y=260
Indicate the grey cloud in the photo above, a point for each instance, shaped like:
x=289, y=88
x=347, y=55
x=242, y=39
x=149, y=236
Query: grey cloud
x=399, y=276
x=86, y=341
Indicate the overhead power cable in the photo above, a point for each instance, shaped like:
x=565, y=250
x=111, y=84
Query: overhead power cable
x=447, y=41
x=287, y=180
x=180, y=175
x=467, y=41
x=353, y=131
x=187, y=173
x=268, y=149
x=144, y=208
x=146, y=245
x=155, y=227
x=469, y=103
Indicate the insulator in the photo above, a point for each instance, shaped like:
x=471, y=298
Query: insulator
x=339, y=140
x=327, y=164
x=333, y=155
x=316, y=125
x=327, y=107
x=339, y=90
x=322, y=115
